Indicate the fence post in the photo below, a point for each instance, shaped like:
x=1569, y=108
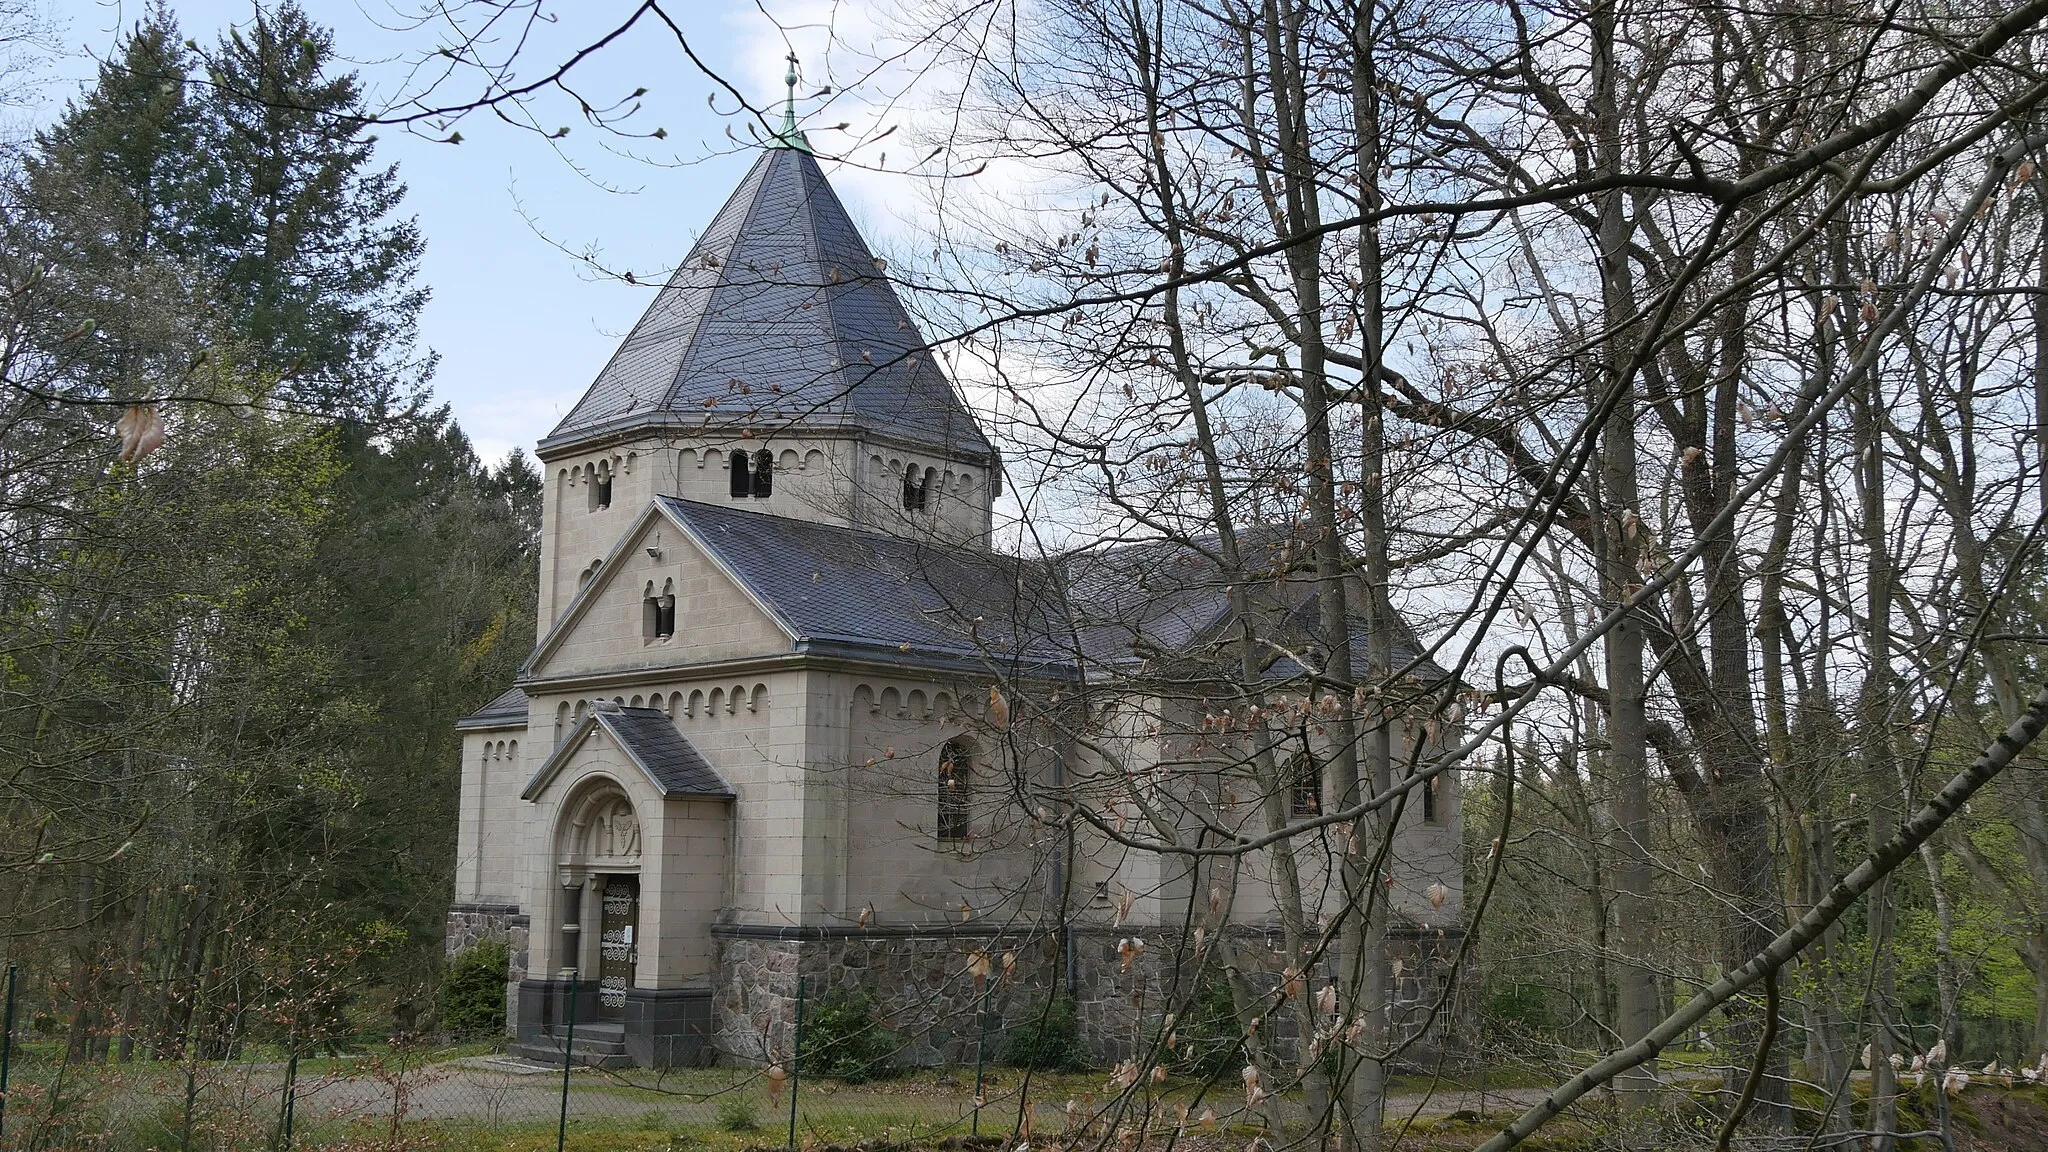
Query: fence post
x=568, y=1062
x=291, y=1087
x=980, y=1043
x=796, y=1050
x=7, y=1044
x=191, y=1094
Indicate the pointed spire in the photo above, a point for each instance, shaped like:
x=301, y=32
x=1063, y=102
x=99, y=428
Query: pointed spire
x=779, y=317
x=790, y=136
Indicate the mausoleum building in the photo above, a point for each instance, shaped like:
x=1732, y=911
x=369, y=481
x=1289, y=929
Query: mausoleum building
x=754, y=742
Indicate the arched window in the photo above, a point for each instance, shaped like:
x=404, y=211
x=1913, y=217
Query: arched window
x=916, y=487
x=927, y=486
x=1429, y=808
x=742, y=486
x=658, y=613
x=956, y=789
x=601, y=486
x=1304, y=788
x=764, y=473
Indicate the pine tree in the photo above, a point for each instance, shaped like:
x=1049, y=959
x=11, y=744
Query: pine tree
x=130, y=140
x=246, y=654
x=98, y=232
x=300, y=224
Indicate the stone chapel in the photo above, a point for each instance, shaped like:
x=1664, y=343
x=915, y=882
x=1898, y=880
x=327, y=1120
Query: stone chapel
x=752, y=743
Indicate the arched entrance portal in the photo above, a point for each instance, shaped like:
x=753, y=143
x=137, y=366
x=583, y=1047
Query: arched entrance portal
x=598, y=858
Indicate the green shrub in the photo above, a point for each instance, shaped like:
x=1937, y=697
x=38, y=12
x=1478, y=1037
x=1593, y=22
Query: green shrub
x=1211, y=1039
x=1522, y=1006
x=843, y=1040
x=473, y=991
x=738, y=1114
x=1047, y=1039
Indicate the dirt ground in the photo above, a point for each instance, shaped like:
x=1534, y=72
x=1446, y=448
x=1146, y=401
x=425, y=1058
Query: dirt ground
x=2010, y=1124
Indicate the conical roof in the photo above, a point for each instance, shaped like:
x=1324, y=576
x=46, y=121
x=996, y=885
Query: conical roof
x=780, y=317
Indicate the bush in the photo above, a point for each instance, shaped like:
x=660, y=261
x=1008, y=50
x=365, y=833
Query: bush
x=473, y=991
x=1211, y=1039
x=1047, y=1039
x=738, y=1114
x=1524, y=1007
x=843, y=1040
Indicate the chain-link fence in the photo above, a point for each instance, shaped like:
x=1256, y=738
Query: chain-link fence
x=843, y=1084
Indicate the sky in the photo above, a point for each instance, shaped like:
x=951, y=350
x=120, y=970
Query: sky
x=520, y=320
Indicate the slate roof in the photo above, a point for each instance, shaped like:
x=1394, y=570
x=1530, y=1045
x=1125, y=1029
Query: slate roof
x=779, y=316
x=874, y=596
x=654, y=744
x=507, y=709
x=1159, y=596
x=835, y=587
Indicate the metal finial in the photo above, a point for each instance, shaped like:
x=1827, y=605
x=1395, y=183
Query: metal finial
x=789, y=137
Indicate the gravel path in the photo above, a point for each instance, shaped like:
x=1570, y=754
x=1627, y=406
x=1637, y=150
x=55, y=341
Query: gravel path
x=491, y=1090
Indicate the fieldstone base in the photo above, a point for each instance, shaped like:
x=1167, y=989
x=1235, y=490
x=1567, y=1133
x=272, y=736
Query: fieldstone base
x=1121, y=1006
x=472, y=924
x=923, y=984
x=922, y=980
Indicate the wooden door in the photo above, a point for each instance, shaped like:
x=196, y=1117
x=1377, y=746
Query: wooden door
x=617, y=944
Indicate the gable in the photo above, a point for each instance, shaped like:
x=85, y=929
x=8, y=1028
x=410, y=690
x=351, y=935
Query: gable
x=633, y=741
x=607, y=628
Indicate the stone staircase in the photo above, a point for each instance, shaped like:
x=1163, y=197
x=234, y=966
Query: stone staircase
x=596, y=1045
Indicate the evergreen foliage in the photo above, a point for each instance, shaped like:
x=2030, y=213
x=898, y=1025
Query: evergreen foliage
x=299, y=224
x=229, y=671
x=473, y=991
x=1047, y=1038
x=843, y=1039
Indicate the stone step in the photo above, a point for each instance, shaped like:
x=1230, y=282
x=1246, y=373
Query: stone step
x=596, y=1045
x=551, y=1055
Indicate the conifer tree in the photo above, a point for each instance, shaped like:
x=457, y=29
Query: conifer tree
x=299, y=223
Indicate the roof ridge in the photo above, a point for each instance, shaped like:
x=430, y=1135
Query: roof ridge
x=814, y=243
x=689, y=338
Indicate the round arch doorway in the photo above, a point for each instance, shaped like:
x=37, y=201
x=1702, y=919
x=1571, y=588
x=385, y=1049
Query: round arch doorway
x=598, y=852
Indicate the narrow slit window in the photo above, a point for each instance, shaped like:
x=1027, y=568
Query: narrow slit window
x=956, y=793
x=742, y=484
x=603, y=491
x=764, y=473
x=925, y=486
x=1429, y=806
x=913, y=493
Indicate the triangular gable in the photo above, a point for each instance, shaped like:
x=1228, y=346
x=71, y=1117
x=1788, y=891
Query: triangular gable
x=622, y=563
x=669, y=761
